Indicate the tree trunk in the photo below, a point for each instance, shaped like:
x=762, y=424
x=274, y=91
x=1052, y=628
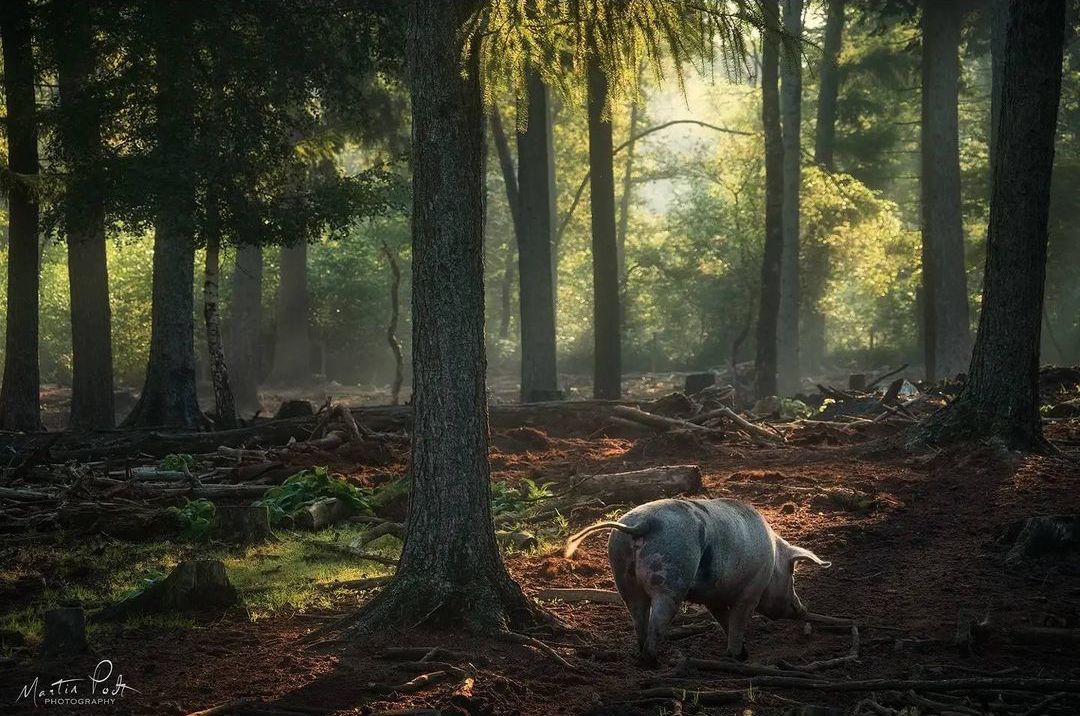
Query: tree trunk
x=814, y=329
x=768, y=313
x=513, y=199
x=1000, y=398
x=506, y=292
x=946, y=315
x=292, y=347
x=168, y=396
x=19, y=394
x=607, y=358
x=224, y=404
x=787, y=368
x=624, y=205
x=79, y=130
x=244, y=352
x=450, y=571
x=391, y=327
x=829, y=87
x=536, y=292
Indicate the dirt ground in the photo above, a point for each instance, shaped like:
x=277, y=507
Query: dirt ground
x=909, y=566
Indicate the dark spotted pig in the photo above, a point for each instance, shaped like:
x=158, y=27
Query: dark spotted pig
x=718, y=553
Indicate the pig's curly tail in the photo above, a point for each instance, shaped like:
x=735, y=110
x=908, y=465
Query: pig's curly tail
x=575, y=540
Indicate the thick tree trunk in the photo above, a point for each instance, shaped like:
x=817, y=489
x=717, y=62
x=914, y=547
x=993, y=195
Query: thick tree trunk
x=813, y=334
x=292, y=346
x=19, y=394
x=787, y=339
x=536, y=293
x=768, y=313
x=1001, y=398
x=168, y=396
x=607, y=339
x=946, y=314
x=224, y=404
x=450, y=571
x=79, y=125
x=392, y=325
x=244, y=354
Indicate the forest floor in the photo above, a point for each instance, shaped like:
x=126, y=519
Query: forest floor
x=921, y=557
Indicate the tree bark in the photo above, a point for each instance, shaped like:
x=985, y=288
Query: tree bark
x=536, y=292
x=19, y=394
x=244, y=354
x=624, y=203
x=224, y=404
x=168, y=396
x=607, y=339
x=1000, y=398
x=391, y=327
x=450, y=571
x=787, y=368
x=946, y=314
x=292, y=345
x=79, y=130
x=814, y=328
x=768, y=313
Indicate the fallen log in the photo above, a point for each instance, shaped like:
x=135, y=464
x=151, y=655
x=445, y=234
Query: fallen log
x=1033, y=684
x=320, y=514
x=643, y=485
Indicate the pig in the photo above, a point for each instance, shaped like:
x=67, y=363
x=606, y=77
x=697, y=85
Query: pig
x=718, y=553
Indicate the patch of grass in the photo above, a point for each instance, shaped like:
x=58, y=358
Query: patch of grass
x=291, y=572
x=296, y=573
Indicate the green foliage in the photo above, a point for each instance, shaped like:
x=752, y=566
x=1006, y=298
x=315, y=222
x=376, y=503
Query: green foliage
x=306, y=487
x=515, y=499
x=177, y=462
x=194, y=517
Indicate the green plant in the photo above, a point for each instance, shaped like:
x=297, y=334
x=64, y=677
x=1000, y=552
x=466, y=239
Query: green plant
x=306, y=487
x=514, y=499
x=178, y=462
x=194, y=517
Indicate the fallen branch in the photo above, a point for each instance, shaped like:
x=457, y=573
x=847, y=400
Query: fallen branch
x=600, y=596
x=852, y=655
x=420, y=683
x=705, y=697
x=658, y=421
x=753, y=429
x=516, y=638
x=222, y=708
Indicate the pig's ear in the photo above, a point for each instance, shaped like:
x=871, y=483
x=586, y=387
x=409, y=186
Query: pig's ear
x=799, y=554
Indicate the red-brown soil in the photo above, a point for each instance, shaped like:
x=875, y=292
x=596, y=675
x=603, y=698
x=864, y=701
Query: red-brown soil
x=921, y=556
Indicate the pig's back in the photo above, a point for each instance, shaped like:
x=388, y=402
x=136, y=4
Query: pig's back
x=739, y=555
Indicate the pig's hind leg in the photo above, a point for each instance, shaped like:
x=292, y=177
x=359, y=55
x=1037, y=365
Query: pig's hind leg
x=636, y=599
x=663, y=609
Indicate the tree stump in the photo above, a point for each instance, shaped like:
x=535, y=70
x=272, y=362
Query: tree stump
x=1049, y=535
x=241, y=524
x=697, y=382
x=65, y=633
x=196, y=586
x=295, y=409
